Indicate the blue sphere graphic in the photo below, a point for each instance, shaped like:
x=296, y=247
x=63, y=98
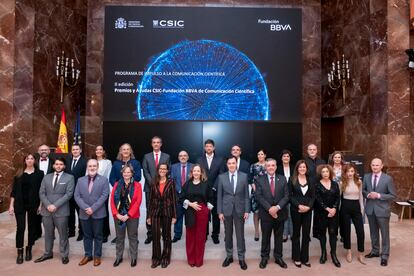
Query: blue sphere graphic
x=202, y=80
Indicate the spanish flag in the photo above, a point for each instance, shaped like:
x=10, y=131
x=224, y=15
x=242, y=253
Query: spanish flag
x=62, y=143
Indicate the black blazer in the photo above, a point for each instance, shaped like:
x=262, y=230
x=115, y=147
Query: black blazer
x=50, y=165
x=216, y=168
x=79, y=170
x=266, y=200
x=281, y=171
x=312, y=164
x=296, y=196
x=17, y=193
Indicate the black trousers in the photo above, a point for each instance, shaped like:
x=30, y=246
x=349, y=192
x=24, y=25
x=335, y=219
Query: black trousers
x=149, y=227
x=21, y=227
x=73, y=207
x=351, y=211
x=275, y=226
x=106, y=230
x=301, y=221
x=161, y=228
x=38, y=226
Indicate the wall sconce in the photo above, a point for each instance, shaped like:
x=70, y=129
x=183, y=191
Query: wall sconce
x=338, y=76
x=410, y=53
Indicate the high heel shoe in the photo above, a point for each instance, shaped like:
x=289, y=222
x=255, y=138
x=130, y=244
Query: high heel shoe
x=335, y=260
x=298, y=264
x=361, y=259
x=349, y=256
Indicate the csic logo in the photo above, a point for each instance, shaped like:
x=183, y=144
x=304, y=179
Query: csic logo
x=120, y=23
x=168, y=24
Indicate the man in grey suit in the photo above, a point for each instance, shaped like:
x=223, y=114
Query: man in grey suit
x=91, y=193
x=379, y=191
x=55, y=192
x=149, y=166
x=233, y=207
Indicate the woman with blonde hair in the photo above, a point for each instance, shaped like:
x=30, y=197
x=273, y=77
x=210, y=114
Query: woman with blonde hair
x=352, y=209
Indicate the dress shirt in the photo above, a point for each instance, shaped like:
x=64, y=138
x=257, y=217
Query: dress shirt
x=44, y=165
x=209, y=159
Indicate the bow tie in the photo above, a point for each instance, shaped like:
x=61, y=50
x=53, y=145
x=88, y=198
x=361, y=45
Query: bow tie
x=43, y=159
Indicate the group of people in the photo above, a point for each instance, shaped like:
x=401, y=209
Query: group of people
x=283, y=198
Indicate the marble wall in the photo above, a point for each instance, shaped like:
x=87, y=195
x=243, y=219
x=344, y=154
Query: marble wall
x=32, y=34
x=378, y=114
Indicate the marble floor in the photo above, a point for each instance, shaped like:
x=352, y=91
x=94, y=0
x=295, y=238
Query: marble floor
x=401, y=262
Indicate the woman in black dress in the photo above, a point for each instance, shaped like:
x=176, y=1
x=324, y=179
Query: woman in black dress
x=24, y=199
x=325, y=213
x=302, y=198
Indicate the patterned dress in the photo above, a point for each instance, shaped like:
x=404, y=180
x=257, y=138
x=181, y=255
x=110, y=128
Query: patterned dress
x=256, y=170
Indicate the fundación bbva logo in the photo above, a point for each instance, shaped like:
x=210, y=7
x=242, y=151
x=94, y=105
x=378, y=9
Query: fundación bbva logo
x=120, y=23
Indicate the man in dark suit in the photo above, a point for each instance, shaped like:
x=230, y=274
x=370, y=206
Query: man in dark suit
x=91, y=193
x=379, y=191
x=233, y=207
x=313, y=161
x=149, y=166
x=55, y=191
x=242, y=165
x=44, y=161
x=213, y=165
x=272, y=194
x=180, y=173
x=76, y=166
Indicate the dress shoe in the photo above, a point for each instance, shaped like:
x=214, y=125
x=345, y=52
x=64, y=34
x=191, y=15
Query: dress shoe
x=65, y=260
x=298, y=264
x=19, y=259
x=335, y=260
x=164, y=263
x=133, y=262
x=227, y=261
x=280, y=262
x=243, y=265
x=105, y=240
x=285, y=238
x=113, y=241
x=155, y=264
x=372, y=255
x=117, y=262
x=175, y=239
x=80, y=237
x=216, y=240
x=256, y=237
x=85, y=260
x=28, y=253
x=43, y=258
x=263, y=263
x=148, y=240
x=384, y=262
x=96, y=261
x=307, y=264
x=71, y=235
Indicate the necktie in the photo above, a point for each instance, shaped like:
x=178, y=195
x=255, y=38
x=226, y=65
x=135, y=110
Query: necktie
x=74, y=163
x=56, y=180
x=272, y=185
x=182, y=175
x=233, y=184
x=90, y=184
x=156, y=160
x=375, y=182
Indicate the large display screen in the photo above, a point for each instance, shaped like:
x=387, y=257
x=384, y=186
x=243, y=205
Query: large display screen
x=202, y=64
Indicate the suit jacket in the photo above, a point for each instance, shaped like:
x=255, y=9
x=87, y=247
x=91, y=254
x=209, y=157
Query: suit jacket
x=385, y=187
x=228, y=200
x=296, y=196
x=49, y=166
x=312, y=164
x=33, y=192
x=80, y=168
x=58, y=196
x=266, y=200
x=243, y=167
x=281, y=171
x=176, y=175
x=117, y=166
x=148, y=166
x=163, y=205
x=95, y=200
x=216, y=168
